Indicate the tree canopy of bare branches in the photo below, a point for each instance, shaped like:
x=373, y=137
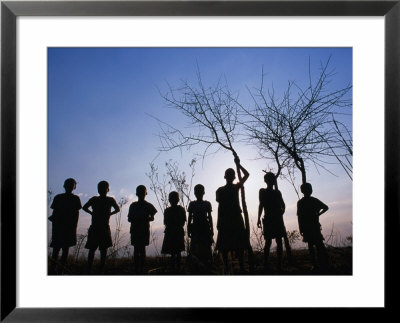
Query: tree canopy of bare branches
x=212, y=115
x=302, y=126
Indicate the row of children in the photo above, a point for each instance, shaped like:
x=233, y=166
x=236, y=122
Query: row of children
x=232, y=236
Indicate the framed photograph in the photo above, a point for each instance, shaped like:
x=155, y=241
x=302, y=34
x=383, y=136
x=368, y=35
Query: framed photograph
x=109, y=102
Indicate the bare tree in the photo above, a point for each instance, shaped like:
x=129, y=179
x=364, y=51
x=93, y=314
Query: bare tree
x=302, y=126
x=174, y=179
x=181, y=181
x=81, y=238
x=212, y=115
x=50, y=194
x=117, y=238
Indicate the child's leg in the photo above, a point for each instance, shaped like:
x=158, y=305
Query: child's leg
x=225, y=261
x=279, y=252
x=322, y=254
x=209, y=256
x=142, y=257
x=64, y=255
x=178, y=261
x=241, y=263
x=54, y=257
x=55, y=253
x=267, y=246
x=103, y=256
x=312, y=253
x=173, y=261
x=287, y=247
x=90, y=259
x=136, y=258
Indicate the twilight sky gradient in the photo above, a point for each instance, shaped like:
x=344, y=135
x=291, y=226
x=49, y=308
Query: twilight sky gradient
x=99, y=125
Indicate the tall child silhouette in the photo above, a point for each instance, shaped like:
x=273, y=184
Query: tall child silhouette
x=174, y=238
x=99, y=233
x=271, y=202
x=309, y=210
x=232, y=236
x=64, y=220
x=200, y=226
x=140, y=214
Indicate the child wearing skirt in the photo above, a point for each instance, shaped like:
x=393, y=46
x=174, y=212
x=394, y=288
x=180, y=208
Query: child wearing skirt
x=174, y=238
x=200, y=226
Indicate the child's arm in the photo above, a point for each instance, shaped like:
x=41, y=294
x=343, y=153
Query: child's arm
x=283, y=206
x=210, y=220
x=183, y=216
x=245, y=172
x=153, y=211
x=166, y=216
x=260, y=209
x=115, y=206
x=130, y=213
x=87, y=206
x=78, y=206
x=189, y=225
x=53, y=206
x=323, y=208
x=299, y=219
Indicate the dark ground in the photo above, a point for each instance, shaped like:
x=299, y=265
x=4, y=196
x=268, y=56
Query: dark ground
x=340, y=264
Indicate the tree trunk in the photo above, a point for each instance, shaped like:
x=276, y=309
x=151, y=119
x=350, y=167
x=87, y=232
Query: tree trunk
x=246, y=221
x=303, y=171
x=244, y=205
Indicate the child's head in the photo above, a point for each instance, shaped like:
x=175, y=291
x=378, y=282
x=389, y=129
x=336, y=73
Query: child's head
x=199, y=191
x=270, y=179
x=69, y=185
x=230, y=175
x=306, y=189
x=173, y=198
x=103, y=187
x=141, y=191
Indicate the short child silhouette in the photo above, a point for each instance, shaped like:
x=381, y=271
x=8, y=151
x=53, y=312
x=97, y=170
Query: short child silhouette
x=174, y=238
x=232, y=235
x=64, y=220
x=99, y=233
x=140, y=214
x=271, y=202
x=200, y=226
x=308, y=211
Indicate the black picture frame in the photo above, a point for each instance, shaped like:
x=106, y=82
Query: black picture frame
x=10, y=10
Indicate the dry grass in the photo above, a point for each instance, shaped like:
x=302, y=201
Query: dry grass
x=340, y=264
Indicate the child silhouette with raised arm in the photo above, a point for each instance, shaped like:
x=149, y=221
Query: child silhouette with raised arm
x=271, y=202
x=309, y=210
x=232, y=235
x=64, y=220
x=174, y=238
x=99, y=233
x=200, y=226
x=140, y=214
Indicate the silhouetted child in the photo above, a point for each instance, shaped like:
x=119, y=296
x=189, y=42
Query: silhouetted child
x=174, y=238
x=271, y=202
x=200, y=226
x=64, y=220
x=308, y=211
x=140, y=214
x=232, y=235
x=99, y=233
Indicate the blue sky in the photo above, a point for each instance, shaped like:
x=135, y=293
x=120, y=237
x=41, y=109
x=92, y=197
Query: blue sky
x=99, y=124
